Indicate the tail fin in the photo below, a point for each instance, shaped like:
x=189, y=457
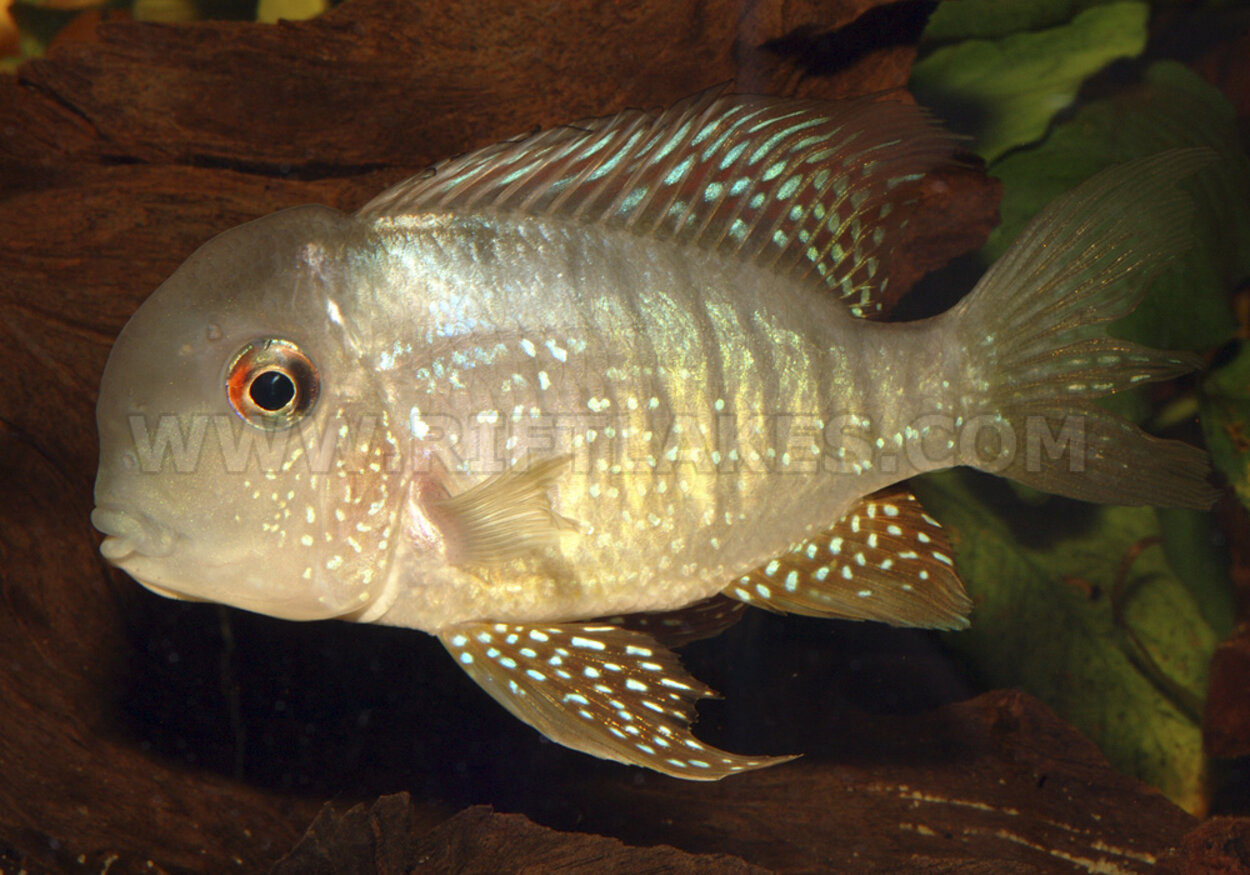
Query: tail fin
x=1038, y=351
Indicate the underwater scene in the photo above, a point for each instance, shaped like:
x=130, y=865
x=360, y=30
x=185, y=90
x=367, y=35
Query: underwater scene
x=624, y=436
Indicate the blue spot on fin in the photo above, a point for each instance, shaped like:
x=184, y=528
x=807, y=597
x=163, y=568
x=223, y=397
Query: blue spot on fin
x=885, y=560
x=610, y=692
x=821, y=190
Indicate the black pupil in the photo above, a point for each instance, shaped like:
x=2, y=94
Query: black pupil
x=272, y=390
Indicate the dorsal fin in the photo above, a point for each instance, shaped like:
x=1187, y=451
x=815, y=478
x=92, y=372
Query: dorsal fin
x=799, y=185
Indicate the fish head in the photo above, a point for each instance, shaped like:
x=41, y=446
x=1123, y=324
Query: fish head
x=244, y=447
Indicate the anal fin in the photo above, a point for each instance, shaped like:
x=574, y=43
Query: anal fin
x=886, y=560
x=610, y=692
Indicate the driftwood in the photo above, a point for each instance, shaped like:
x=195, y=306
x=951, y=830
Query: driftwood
x=142, y=735
x=381, y=839
x=995, y=785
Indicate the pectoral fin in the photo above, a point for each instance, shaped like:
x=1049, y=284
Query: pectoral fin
x=505, y=516
x=603, y=690
x=886, y=560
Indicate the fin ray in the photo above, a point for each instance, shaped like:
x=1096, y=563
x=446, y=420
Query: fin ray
x=505, y=516
x=704, y=619
x=818, y=189
x=610, y=692
x=885, y=560
x=1037, y=347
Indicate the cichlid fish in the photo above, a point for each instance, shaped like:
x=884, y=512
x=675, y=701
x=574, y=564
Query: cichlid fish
x=571, y=400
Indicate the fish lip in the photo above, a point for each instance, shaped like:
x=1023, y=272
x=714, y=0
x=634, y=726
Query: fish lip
x=116, y=549
x=128, y=533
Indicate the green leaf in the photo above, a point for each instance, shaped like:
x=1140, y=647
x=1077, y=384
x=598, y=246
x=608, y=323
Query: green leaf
x=1225, y=403
x=167, y=11
x=1012, y=87
x=992, y=19
x=36, y=26
x=1189, y=539
x=293, y=10
x=1127, y=668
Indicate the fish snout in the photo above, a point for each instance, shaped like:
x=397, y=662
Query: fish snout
x=127, y=533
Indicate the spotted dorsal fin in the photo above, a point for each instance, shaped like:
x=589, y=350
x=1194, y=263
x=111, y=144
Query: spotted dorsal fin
x=819, y=189
x=886, y=560
x=610, y=692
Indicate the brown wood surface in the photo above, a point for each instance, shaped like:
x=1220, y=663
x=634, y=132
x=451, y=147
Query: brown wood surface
x=994, y=785
x=142, y=735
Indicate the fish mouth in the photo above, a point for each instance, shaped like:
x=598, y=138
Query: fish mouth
x=128, y=534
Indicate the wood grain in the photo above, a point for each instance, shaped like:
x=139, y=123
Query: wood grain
x=202, y=739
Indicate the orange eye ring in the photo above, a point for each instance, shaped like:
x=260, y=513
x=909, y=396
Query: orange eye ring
x=271, y=384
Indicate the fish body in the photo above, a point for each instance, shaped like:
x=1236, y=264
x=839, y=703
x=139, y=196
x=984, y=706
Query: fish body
x=654, y=392
x=620, y=369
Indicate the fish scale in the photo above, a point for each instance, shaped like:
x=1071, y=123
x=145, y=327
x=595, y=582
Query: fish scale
x=673, y=385
x=750, y=175
x=570, y=400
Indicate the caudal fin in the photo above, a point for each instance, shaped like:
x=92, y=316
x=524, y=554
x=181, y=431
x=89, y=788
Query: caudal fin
x=1038, y=351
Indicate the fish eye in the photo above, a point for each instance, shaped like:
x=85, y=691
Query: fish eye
x=272, y=384
x=272, y=390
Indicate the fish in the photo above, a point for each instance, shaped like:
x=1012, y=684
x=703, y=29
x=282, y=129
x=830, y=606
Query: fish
x=572, y=400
